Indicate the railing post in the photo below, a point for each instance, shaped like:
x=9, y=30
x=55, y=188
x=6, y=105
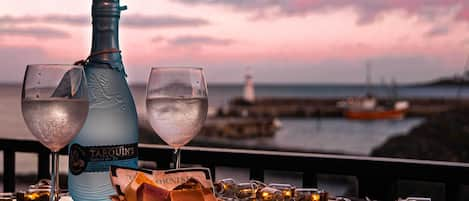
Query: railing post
x=9, y=170
x=452, y=191
x=43, y=165
x=363, y=186
x=163, y=163
x=256, y=174
x=310, y=180
x=375, y=187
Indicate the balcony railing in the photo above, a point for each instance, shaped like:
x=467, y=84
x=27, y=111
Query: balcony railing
x=377, y=177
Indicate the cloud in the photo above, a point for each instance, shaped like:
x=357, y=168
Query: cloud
x=465, y=42
x=158, y=39
x=143, y=21
x=368, y=10
x=131, y=21
x=199, y=40
x=6, y=19
x=193, y=40
x=51, y=19
x=35, y=32
x=463, y=13
x=437, y=31
x=67, y=19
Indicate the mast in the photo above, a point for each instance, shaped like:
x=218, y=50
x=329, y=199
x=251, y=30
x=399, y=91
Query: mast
x=368, y=78
x=463, y=78
x=394, y=92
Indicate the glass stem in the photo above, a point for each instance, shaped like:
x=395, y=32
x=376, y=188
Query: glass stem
x=54, y=191
x=177, y=155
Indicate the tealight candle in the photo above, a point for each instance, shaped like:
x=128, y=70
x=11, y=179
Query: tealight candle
x=246, y=191
x=287, y=190
x=269, y=194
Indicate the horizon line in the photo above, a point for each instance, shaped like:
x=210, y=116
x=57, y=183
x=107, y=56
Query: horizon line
x=279, y=83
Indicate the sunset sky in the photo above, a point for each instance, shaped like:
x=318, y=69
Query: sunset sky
x=283, y=41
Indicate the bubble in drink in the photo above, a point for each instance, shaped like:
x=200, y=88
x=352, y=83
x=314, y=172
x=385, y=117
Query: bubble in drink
x=177, y=120
x=54, y=121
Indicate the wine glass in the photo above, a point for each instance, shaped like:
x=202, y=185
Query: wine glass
x=54, y=102
x=176, y=105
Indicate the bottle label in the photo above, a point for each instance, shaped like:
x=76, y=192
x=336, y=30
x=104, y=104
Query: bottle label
x=99, y=158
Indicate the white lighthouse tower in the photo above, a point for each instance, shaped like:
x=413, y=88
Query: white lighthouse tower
x=249, y=95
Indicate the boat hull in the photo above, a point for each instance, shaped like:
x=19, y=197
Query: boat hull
x=374, y=115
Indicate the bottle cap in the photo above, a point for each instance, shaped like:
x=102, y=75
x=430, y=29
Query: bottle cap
x=107, y=8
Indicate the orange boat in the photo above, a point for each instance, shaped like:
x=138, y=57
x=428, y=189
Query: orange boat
x=366, y=108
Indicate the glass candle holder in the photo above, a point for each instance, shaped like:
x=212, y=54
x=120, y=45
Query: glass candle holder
x=226, y=188
x=309, y=194
x=288, y=190
x=247, y=191
x=269, y=194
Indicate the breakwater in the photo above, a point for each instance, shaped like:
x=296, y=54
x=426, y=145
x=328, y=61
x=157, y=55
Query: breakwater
x=228, y=127
x=326, y=107
x=239, y=128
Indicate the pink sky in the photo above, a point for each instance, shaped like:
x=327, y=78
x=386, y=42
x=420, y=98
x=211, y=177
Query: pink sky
x=285, y=41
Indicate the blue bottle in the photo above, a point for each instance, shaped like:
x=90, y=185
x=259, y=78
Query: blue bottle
x=110, y=133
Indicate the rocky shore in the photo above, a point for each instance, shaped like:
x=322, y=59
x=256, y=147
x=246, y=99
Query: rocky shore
x=443, y=136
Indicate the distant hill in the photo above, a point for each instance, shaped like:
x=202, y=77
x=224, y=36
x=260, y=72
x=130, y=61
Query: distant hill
x=453, y=81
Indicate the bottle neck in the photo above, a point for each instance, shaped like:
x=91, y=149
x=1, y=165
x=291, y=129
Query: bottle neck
x=105, y=33
x=106, y=14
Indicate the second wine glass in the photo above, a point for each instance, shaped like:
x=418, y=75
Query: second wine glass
x=176, y=104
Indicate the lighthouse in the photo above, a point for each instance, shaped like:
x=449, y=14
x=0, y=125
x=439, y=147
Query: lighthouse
x=249, y=95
